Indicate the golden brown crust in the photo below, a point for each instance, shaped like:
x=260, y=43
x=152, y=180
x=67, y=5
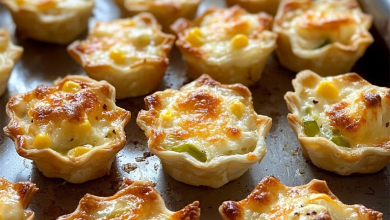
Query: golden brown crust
x=214, y=52
x=359, y=110
x=143, y=202
x=22, y=192
x=139, y=66
x=325, y=36
x=218, y=120
x=81, y=117
x=50, y=20
x=273, y=200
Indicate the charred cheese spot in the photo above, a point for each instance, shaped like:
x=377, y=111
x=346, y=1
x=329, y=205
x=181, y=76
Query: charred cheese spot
x=232, y=210
x=340, y=117
x=372, y=100
x=200, y=102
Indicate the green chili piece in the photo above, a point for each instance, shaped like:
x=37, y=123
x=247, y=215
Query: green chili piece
x=340, y=141
x=191, y=150
x=311, y=128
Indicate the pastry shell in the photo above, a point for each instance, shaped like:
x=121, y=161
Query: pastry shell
x=216, y=55
x=15, y=198
x=324, y=36
x=50, y=21
x=71, y=135
x=255, y=6
x=361, y=115
x=9, y=55
x=166, y=12
x=272, y=200
x=209, y=116
x=134, y=200
x=139, y=67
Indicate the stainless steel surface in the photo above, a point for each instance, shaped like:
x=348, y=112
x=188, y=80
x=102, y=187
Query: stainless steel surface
x=42, y=63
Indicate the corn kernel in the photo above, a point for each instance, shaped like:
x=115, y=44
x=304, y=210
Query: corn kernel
x=237, y=108
x=71, y=86
x=130, y=22
x=325, y=197
x=42, y=141
x=166, y=115
x=84, y=127
x=77, y=151
x=20, y=2
x=239, y=41
x=195, y=37
x=327, y=90
x=117, y=55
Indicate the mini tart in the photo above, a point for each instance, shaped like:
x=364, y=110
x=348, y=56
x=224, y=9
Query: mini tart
x=272, y=200
x=325, y=36
x=9, y=55
x=342, y=122
x=255, y=6
x=53, y=21
x=134, y=200
x=131, y=54
x=205, y=133
x=72, y=130
x=15, y=198
x=165, y=11
x=230, y=45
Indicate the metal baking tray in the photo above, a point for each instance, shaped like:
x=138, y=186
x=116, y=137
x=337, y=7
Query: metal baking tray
x=42, y=63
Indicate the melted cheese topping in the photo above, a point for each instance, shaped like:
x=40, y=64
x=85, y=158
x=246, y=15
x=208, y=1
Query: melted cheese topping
x=271, y=200
x=315, y=24
x=13, y=198
x=135, y=200
x=126, y=43
x=74, y=115
x=216, y=119
x=53, y=7
x=217, y=31
x=356, y=112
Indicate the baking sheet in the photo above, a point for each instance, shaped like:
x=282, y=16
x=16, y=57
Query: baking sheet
x=42, y=63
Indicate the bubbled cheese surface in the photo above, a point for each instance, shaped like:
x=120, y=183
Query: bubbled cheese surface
x=125, y=43
x=314, y=24
x=271, y=200
x=351, y=106
x=75, y=113
x=216, y=119
x=218, y=29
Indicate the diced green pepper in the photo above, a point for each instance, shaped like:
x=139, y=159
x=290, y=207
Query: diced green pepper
x=311, y=128
x=191, y=150
x=340, y=141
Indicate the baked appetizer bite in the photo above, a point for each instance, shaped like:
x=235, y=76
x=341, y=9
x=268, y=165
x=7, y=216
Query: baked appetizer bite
x=272, y=200
x=135, y=200
x=255, y=6
x=53, y=21
x=342, y=122
x=230, y=45
x=9, y=55
x=205, y=133
x=15, y=198
x=325, y=36
x=165, y=11
x=71, y=130
x=131, y=54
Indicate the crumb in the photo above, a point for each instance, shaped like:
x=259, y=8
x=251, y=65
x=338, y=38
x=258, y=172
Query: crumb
x=128, y=167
